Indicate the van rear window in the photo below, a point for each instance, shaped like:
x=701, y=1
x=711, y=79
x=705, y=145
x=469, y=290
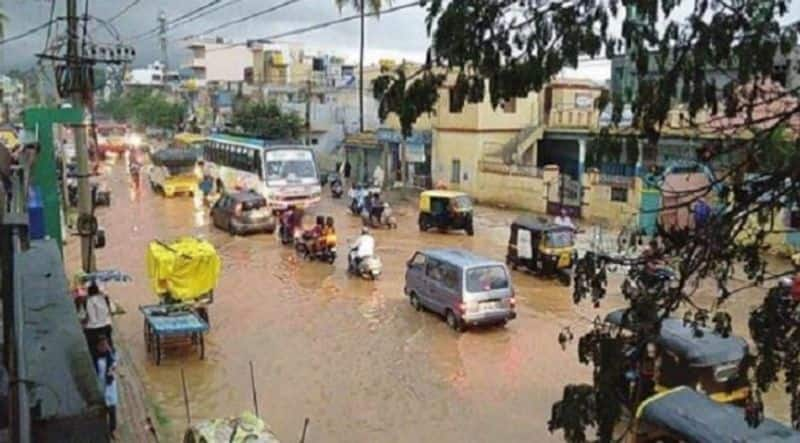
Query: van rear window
x=487, y=278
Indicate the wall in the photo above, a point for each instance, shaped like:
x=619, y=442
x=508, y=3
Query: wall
x=519, y=192
x=466, y=146
x=600, y=207
x=222, y=63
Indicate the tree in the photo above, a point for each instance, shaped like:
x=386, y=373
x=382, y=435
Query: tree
x=513, y=47
x=145, y=108
x=267, y=120
x=375, y=6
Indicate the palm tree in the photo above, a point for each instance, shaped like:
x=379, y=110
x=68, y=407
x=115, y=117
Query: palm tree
x=375, y=7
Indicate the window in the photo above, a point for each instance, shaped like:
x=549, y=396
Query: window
x=418, y=261
x=314, y=141
x=434, y=270
x=450, y=277
x=619, y=195
x=510, y=105
x=487, y=278
x=455, y=172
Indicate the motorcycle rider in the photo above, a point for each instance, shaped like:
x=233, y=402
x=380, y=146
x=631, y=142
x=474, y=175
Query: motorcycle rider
x=375, y=209
x=362, y=248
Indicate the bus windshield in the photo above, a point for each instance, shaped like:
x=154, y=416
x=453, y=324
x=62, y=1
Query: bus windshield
x=290, y=164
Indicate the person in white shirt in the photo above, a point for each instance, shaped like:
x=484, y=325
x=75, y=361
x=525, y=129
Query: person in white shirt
x=363, y=247
x=378, y=176
x=98, y=318
x=564, y=220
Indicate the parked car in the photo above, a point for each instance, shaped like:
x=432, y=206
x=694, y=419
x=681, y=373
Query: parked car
x=243, y=212
x=464, y=288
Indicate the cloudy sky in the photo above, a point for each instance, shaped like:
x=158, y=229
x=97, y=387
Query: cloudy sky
x=397, y=35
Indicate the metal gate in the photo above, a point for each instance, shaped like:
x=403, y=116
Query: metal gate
x=564, y=195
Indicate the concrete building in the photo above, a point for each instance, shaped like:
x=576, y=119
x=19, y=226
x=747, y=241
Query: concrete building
x=12, y=96
x=153, y=75
x=219, y=62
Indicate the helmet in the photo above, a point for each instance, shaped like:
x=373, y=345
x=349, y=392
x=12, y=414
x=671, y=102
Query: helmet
x=365, y=231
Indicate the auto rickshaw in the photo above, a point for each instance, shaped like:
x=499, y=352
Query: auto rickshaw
x=445, y=210
x=542, y=247
x=697, y=358
x=685, y=415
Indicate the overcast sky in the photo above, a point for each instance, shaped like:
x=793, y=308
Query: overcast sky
x=397, y=35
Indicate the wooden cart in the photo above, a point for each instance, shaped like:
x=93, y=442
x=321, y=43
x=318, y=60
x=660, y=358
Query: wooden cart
x=167, y=327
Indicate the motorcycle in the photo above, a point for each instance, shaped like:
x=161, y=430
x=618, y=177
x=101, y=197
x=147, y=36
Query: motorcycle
x=327, y=253
x=359, y=199
x=336, y=188
x=386, y=219
x=369, y=268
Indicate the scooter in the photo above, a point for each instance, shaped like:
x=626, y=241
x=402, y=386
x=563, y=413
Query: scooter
x=387, y=218
x=370, y=267
x=359, y=199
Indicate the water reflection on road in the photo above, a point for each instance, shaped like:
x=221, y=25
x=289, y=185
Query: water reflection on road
x=350, y=354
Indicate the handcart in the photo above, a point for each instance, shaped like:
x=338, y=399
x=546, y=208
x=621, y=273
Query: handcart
x=172, y=326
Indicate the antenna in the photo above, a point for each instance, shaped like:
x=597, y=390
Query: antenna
x=253, y=388
x=186, y=399
x=305, y=430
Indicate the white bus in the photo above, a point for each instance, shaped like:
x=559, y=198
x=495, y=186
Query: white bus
x=284, y=174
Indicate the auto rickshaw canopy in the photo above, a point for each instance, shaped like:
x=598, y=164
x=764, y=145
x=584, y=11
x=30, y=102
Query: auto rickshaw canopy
x=187, y=139
x=245, y=428
x=705, y=350
x=186, y=269
x=539, y=224
x=426, y=196
x=695, y=418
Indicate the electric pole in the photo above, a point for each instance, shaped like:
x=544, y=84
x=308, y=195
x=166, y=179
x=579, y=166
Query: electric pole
x=162, y=32
x=308, y=112
x=361, y=73
x=78, y=86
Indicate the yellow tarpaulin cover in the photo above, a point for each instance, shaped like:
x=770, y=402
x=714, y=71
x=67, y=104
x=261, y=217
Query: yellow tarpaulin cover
x=187, y=268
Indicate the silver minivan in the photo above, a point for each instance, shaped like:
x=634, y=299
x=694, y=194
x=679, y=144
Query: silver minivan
x=464, y=288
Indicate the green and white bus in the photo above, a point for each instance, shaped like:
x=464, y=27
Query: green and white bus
x=284, y=173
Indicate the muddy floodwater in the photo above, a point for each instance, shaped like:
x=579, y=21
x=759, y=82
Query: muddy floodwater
x=349, y=354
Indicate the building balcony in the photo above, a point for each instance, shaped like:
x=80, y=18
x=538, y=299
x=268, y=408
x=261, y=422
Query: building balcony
x=574, y=118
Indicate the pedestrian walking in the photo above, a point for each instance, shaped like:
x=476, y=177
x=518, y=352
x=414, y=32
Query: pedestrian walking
x=105, y=363
x=97, y=318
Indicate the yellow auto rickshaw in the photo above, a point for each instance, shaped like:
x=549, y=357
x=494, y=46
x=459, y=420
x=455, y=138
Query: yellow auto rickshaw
x=542, y=247
x=445, y=210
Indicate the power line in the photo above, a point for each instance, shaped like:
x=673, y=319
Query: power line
x=187, y=17
x=123, y=11
x=319, y=26
x=339, y=21
x=27, y=33
x=243, y=19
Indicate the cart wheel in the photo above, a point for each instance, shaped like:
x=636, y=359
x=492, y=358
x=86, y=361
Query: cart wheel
x=158, y=350
x=202, y=346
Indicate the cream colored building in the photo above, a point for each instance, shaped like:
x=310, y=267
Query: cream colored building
x=218, y=62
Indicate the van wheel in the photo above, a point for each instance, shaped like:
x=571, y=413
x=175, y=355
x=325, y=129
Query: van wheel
x=453, y=321
x=414, y=300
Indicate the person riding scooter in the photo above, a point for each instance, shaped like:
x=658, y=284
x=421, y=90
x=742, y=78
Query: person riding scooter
x=362, y=248
x=291, y=219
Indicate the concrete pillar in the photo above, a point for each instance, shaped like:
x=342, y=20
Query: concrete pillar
x=581, y=166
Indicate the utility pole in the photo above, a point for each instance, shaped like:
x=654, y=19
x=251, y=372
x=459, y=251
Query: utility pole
x=162, y=32
x=308, y=112
x=361, y=73
x=78, y=87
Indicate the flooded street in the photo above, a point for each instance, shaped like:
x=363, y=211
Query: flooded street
x=351, y=355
